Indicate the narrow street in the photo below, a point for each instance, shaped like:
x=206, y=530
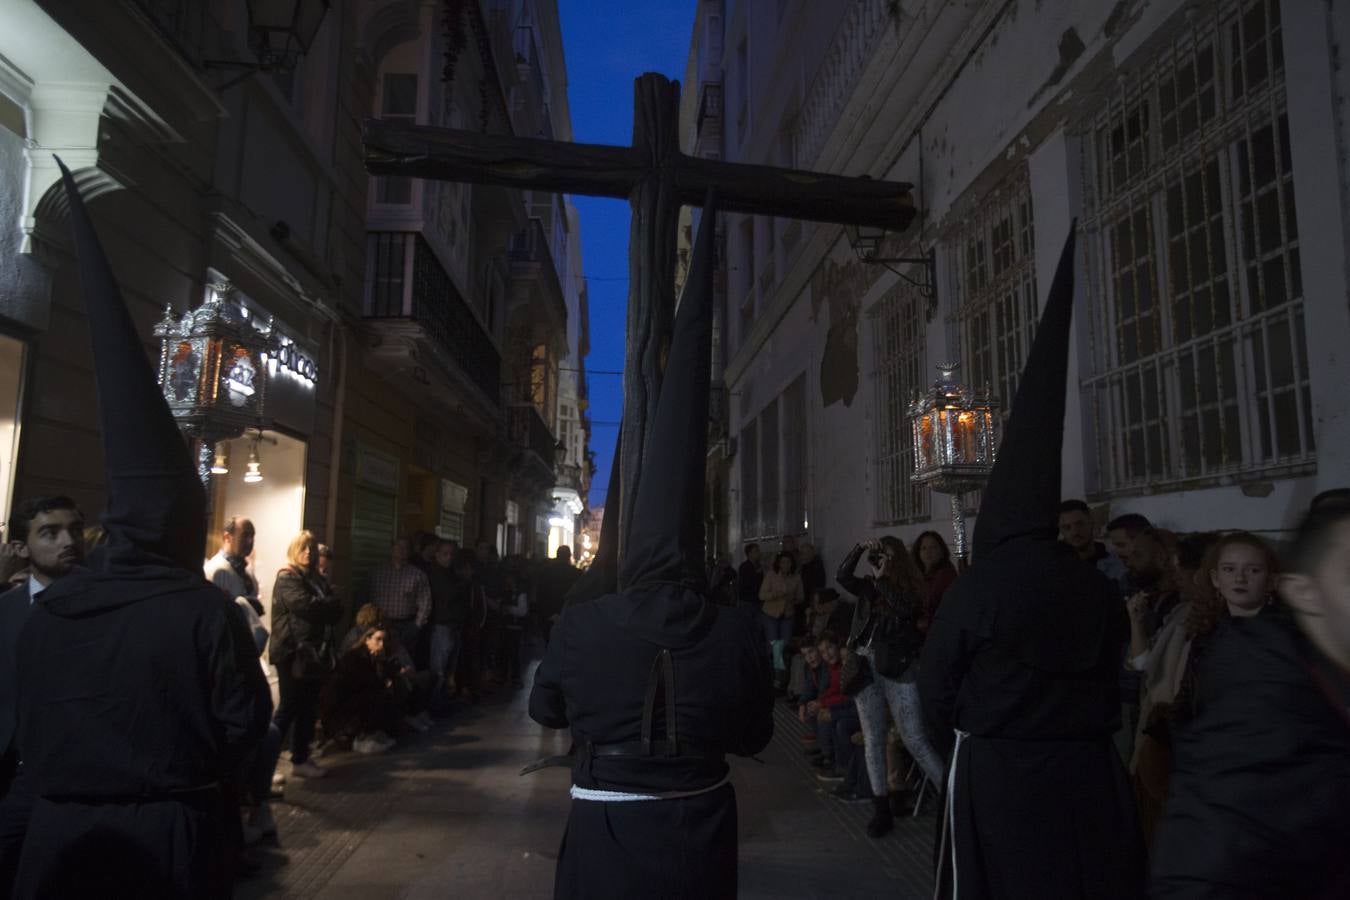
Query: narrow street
x=446, y=815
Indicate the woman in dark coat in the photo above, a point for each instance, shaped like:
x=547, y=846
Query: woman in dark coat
x=885, y=631
x=302, y=649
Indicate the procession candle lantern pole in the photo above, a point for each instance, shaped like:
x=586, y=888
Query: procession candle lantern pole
x=955, y=443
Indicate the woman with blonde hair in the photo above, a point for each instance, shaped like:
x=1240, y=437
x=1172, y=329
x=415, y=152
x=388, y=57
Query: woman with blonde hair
x=302, y=647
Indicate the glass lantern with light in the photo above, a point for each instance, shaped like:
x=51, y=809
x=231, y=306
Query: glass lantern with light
x=955, y=436
x=211, y=369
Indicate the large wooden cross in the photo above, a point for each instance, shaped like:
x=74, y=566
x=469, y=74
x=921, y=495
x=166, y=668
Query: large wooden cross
x=657, y=179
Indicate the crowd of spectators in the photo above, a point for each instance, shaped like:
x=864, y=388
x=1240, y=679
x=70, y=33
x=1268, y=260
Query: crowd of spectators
x=866, y=735
x=433, y=626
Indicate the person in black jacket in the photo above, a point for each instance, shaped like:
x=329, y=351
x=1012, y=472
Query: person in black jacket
x=885, y=633
x=362, y=701
x=749, y=578
x=303, y=648
x=1019, y=675
x=139, y=690
x=1259, y=802
x=655, y=682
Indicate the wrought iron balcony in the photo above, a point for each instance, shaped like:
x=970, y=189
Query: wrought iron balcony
x=532, y=259
x=529, y=431
x=431, y=300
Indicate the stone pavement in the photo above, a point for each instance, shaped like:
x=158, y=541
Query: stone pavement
x=447, y=815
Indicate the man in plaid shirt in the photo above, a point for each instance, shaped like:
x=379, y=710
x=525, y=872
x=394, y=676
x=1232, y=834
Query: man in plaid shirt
x=403, y=595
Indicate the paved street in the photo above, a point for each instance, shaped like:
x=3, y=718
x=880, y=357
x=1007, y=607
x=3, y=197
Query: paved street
x=447, y=815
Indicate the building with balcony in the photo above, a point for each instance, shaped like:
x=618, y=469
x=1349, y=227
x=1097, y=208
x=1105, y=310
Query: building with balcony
x=464, y=316
x=207, y=178
x=1212, y=293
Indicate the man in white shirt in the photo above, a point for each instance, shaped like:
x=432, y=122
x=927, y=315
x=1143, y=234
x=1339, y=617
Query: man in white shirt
x=229, y=569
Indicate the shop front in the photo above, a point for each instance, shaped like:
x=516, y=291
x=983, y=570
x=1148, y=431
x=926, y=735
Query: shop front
x=241, y=385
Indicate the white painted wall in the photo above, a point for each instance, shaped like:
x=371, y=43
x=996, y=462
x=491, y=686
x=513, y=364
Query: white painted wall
x=1011, y=104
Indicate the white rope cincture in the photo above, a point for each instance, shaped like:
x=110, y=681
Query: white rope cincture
x=581, y=793
x=951, y=805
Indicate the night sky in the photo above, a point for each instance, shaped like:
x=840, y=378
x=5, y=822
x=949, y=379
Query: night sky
x=608, y=43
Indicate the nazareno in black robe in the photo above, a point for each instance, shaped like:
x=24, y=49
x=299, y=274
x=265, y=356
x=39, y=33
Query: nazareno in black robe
x=612, y=640
x=1041, y=805
x=1259, y=806
x=139, y=693
x=1023, y=656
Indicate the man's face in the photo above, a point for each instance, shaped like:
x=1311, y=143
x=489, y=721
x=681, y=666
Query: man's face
x=1121, y=543
x=1077, y=529
x=1321, y=599
x=753, y=554
x=325, y=565
x=811, y=656
x=240, y=543
x=55, y=543
x=829, y=651
x=444, y=553
x=399, y=554
x=1147, y=556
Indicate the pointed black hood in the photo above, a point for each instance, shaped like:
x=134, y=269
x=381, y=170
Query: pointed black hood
x=665, y=540
x=1022, y=495
x=156, y=512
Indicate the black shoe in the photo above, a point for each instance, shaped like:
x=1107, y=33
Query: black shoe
x=846, y=794
x=829, y=774
x=882, y=821
x=821, y=761
x=902, y=802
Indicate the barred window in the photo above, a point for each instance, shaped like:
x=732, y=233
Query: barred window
x=898, y=336
x=794, y=456
x=769, y=486
x=993, y=272
x=749, y=453
x=1199, y=367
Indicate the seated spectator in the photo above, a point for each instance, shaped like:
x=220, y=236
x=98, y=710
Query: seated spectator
x=416, y=686
x=361, y=704
x=935, y=562
x=830, y=612
x=802, y=681
x=830, y=710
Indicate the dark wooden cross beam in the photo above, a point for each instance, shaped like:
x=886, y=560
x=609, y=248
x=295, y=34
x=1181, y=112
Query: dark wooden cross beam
x=657, y=179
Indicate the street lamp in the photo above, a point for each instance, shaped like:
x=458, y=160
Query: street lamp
x=280, y=32
x=956, y=433
x=866, y=241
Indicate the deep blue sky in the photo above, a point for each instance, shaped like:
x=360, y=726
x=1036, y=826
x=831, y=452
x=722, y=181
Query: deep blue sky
x=608, y=43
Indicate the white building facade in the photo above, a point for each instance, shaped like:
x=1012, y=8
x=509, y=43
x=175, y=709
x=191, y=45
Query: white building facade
x=1204, y=150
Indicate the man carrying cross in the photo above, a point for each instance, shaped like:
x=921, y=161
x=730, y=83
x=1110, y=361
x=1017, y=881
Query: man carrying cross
x=656, y=683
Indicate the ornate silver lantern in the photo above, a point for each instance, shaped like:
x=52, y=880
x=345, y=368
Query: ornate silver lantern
x=212, y=370
x=956, y=434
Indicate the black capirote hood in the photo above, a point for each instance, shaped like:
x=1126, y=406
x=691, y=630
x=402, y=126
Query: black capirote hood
x=1021, y=498
x=156, y=507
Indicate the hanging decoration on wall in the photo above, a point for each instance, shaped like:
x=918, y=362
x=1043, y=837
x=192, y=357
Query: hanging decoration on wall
x=211, y=368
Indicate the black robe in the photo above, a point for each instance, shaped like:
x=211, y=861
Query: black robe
x=593, y=680
x=1260, y=792
x=1023, y=655
x=140, y=697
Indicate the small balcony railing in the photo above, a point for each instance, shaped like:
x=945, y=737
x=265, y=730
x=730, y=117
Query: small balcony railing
x=529, y=430
x=433, y=302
